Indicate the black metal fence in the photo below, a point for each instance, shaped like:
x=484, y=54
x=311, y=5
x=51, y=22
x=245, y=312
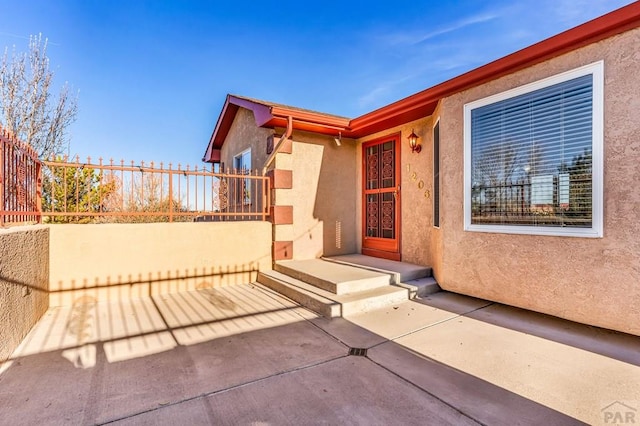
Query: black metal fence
x=553, y=200
x=20, y=183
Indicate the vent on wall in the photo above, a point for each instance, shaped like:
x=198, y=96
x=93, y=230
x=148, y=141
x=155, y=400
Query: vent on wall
x=338, y=234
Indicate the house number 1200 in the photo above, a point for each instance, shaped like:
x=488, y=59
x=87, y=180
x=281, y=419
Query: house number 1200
x=414, y=177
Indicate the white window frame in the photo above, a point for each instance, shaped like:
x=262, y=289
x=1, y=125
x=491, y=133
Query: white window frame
x=245, y=197
x=595, y=69
x=239, y=156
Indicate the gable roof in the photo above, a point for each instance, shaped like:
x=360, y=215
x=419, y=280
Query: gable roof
x=270, y=115
x=422, y=104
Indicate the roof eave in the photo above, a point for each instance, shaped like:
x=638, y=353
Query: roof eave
x=207, y=158
x=310, y=121
x=261, y=112
x=271, y=116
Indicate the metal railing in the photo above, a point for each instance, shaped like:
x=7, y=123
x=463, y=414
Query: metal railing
x=81, y=192
x=64, y=190
x=524, y=202
x=20, y=184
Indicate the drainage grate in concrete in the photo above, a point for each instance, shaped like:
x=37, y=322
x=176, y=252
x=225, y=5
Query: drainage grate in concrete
x=358, y=351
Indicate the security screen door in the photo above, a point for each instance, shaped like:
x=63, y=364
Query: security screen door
x=381, y=198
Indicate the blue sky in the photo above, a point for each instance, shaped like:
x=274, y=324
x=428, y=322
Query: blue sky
x=153, y=75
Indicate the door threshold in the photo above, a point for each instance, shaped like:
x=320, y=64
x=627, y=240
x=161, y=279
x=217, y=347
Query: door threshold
x=382, y=254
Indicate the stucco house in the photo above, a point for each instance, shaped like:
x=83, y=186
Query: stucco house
x=522, y=187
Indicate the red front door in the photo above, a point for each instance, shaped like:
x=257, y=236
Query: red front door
x=381, y=197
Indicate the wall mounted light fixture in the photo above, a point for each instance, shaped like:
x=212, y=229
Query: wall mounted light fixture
x=413, y=142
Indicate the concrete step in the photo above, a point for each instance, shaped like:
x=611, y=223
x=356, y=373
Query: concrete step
x=400, y=272
x=329, y=304
x=333, y=277
x=421, y=287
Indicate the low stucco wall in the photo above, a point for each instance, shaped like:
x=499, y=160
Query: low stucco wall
x=588, y=280
x=24, y=270
x=119, y=261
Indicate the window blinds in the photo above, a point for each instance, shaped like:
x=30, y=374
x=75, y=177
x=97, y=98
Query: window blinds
x=531, y=157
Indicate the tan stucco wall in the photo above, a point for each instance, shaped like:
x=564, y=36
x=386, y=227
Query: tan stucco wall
x=119, y=261
x=323, y=173
x=245, y=134
x=323, y=196
x=24, y=270
x=416, y=192
x=593, y=281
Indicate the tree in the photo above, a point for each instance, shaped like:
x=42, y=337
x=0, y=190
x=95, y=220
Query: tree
x=76, y=189
x=494, y=167
x=580, y=189
x=142, y=199
x=28, y=108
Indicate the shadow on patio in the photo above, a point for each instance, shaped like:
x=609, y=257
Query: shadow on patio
x=238, y=355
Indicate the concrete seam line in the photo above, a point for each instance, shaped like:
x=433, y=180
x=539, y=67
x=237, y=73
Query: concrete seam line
x=425, y=391
x=393, y=339
x=221, y=391
x=305, y=319
x=329, y=334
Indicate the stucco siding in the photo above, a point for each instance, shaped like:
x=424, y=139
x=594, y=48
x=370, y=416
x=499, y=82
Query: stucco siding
x=416, y=191
x=244, y=134
x=589, y=280
x=323, y=196
x=24, y=284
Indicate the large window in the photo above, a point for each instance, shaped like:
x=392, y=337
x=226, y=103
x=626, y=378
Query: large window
x=533, y=157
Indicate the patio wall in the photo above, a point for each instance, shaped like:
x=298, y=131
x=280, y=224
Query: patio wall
x=121, y=261
x=24, y=268
x=589, y=280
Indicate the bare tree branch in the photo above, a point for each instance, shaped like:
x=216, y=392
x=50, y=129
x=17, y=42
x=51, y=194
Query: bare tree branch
x=28, y=107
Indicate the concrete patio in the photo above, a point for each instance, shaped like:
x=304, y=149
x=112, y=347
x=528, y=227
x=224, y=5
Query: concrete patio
x=246, y=355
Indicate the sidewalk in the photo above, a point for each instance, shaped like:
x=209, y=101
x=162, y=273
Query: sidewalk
x=245, y=355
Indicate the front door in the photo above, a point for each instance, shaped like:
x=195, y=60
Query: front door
x=381, y=198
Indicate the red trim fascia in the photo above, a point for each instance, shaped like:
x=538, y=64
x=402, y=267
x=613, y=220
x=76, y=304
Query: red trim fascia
x=311, y=117
x=423, y=103
x=261, y=112
x=308, y=126
x=222, y=127
x=273, y=116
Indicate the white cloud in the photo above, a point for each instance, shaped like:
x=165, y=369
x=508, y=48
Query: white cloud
x=411, y=38
x=574, y=12
x=472, y=20
x=374, y=96
x=421, y=59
